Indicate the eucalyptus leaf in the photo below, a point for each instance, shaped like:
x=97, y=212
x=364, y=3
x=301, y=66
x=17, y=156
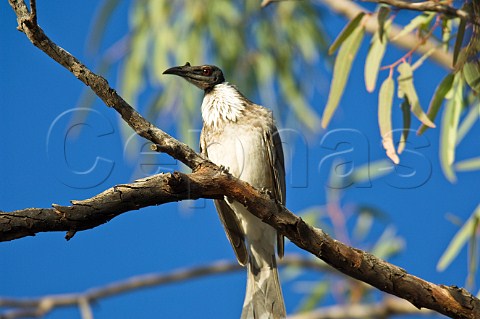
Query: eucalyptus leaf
x=388, y=244
x=459, y=41
x=472, y=164
x=407, y=121
x=346, y=32
x=382, y=16
x=414, y=23
x=316, y=295
x=423, y=58
x=405, y=83
x=374, y=59
x=448, y=133
x=369, y=171
x=100, y=22
x=471, y=71
x=385, y=100
x=341, y=71
x=437, y=99
x=470, y=119
x=446, y=32
x=472, y=254
x=458, y=241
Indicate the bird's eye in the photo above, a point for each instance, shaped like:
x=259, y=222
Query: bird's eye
x=207, y=71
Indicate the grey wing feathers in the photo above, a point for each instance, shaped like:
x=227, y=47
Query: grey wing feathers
x=229, y=221
x=232, y=229
x=277, y=163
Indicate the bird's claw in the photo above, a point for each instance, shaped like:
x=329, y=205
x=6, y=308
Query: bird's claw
x=266, y=191
x=224, y=169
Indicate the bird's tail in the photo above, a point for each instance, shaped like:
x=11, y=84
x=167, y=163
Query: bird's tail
x=263, y=299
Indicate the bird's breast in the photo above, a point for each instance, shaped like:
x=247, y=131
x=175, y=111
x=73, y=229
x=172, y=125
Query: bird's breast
x=241, y=149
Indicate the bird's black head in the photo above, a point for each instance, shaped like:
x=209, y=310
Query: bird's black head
x=204, y=76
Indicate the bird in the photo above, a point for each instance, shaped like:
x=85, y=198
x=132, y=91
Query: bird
x=242, y=137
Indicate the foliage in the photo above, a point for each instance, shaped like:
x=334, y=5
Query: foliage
x=253, y=47
x=273, y=53
x=372, y=231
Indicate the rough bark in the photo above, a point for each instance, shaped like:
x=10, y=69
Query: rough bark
x=210, y=181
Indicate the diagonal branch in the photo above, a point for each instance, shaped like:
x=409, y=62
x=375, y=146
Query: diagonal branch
x=431, y=6
x=210, y=181
x=166, y=143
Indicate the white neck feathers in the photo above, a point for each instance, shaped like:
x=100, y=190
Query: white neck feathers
x=223, y=103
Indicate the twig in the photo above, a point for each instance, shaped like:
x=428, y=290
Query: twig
x=430, y=6
x=33, y=10
x=41, y=306
x=384, y=309
x=349, y=9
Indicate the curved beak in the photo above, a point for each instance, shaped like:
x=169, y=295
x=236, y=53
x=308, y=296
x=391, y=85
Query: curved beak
x=183, y=71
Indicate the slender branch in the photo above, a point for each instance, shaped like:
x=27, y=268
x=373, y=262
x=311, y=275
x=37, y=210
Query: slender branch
x=33, y=10
x=209, y=181
x=41, y=306
x=430, y=6
x=100, y=86
x=384, y=309
x=350, y=9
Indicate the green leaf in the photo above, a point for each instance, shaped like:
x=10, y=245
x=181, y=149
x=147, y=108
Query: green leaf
x=388, y=244
x=385, y=101
x=446, y=32
x=367, y=215
x=471, y=71
x=437, y=99
x=318, y=292
x=363, y=225
x=374, y=59
x=383, y=14
x=448, y=134
x=405, y=84
x=459, y=41
x=407, y=120
x=299, y=105
x=414, y=23
x=467, y=123
x=423, y=58
x=346, y=32
x=341, y=70
x=372, y=170
x=458, y=241
x=472, y=254
x=472, y=164
x=101, y=19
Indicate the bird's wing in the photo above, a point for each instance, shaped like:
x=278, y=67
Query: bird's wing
x=229, y=219
x=277, y=164
x=233, y=231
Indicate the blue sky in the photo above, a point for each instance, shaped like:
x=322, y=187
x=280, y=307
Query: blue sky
x=36, y=92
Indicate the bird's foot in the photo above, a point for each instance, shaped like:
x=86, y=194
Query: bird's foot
x=224, y=169
x=266, y=191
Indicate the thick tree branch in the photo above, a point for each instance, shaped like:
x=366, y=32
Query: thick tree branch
x=452, y=301
x=210, y=181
